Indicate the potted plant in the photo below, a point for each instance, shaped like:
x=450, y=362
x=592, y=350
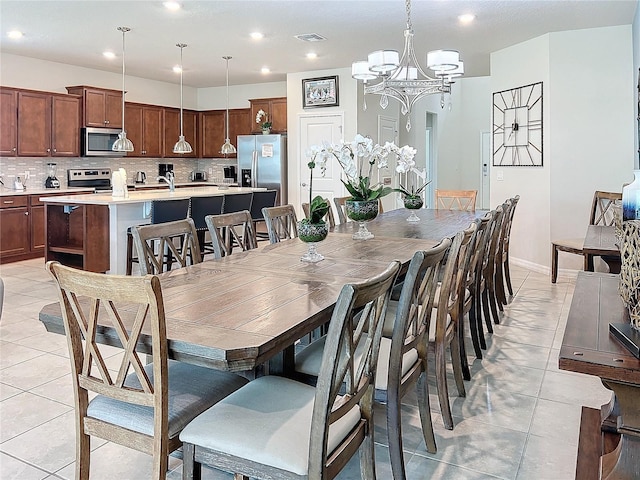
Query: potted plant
x=411, y=194
x=314, y=229
x=262, y=118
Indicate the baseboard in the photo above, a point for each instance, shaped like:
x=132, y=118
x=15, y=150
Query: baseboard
x=543, y=269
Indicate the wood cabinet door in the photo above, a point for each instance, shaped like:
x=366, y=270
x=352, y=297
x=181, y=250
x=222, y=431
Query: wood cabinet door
x=133, y=127
x=152, y=132
x=212, y=132
x=34, y=124
x=94, y=108
x=36, y=225
x=279, y=115
x=8, y=122
x=172, y=131
x=14, y=231
x=113, y=109
x=239, y=124
x=257, y=105
x=65, y=126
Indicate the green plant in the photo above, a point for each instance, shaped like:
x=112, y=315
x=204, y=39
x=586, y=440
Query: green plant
x=318, y=208
x=411, y=191
x=263, y=124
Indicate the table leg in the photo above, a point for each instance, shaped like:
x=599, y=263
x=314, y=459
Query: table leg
x=609, y=413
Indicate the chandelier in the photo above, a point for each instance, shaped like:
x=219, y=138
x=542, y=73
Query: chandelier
x=402, y=78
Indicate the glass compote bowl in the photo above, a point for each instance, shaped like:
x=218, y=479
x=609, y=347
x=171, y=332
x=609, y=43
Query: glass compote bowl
x=413, y=203
x=311, y=234
x=362, y=211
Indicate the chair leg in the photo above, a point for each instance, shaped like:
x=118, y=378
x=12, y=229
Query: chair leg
x=473, y=327
x=422, y=388
x=493, y=303
x=507, y=276
x=160, y=461
x=394, y=435
x=588, y=263
x=191, y=470
x=367, y=454
x=485, y=310
x=443, y=390
x=500, y=291
x=554, y=263
x=129, y=253
x=457, y=366
x=83, y=454
x=464, y=363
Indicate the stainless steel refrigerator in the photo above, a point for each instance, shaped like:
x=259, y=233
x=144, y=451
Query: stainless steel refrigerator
x=262, y=162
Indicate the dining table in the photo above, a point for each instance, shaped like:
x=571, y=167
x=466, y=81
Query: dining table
x=244, y=312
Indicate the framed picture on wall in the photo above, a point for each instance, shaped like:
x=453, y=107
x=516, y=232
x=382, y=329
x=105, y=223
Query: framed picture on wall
x=320, y=92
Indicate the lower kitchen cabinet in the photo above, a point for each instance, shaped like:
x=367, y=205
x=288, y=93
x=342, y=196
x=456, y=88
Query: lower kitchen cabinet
x=14, y=228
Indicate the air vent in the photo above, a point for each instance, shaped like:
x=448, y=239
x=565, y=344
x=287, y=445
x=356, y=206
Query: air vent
x=310, y=37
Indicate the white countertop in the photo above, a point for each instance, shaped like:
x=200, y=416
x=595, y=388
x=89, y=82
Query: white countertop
x=142, y=196
x=43, y=191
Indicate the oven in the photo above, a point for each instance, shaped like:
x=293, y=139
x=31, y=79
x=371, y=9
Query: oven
x=98, y=178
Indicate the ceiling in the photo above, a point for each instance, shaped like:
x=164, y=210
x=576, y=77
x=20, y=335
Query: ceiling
x=77, y=32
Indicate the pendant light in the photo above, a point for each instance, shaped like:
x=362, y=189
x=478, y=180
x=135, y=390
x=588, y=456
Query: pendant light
x=227, y=148
x=123, y=144
x=181, y=146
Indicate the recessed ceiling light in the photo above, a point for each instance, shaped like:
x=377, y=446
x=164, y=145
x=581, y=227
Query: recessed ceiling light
x=173, y=6
x=466, y=18
x=312, y=55
x=15, y=34
x=257, y=35
x=265, y=70
x=177, y=69
x=109, y=55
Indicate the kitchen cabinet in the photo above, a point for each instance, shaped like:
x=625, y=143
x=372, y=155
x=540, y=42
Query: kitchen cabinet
x=172, y=131
x=48, y=125
x=144, y=127
x=276, y=108
x=100, y=107
x=213, y=130
x=8, y=122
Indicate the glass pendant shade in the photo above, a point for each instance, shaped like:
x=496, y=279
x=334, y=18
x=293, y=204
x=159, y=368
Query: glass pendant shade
x=227, y=147
x=443, y=60
x=123, y=144
x=360, y=71
x=383, y=61
x=181, y=146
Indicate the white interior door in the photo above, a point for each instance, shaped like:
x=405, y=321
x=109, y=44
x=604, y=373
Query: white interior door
x=388, y=132
x=314, y=130
x=485, y=159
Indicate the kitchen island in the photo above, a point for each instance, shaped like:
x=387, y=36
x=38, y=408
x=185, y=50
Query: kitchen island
x=90, y=231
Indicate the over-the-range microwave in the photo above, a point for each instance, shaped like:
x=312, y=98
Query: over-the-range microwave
x=97, y=142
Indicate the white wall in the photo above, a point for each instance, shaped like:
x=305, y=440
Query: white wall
x=215, y=98
x=588, y=142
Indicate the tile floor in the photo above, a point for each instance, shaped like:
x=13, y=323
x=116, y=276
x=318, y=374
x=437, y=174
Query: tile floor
x=519, y=420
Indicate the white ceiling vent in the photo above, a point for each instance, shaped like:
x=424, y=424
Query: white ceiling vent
x=310, y=37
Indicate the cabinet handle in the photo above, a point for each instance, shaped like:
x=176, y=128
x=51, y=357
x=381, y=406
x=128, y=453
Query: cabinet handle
x=55, y=150
x=8, y=202
x=48, y=150
x=26, y=213
x=13, y=149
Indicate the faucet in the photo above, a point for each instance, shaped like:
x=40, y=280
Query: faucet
x=170, y=179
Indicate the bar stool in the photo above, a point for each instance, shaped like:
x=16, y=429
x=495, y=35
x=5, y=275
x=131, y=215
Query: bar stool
x=161, y=211
x=266, y=198
x=237, y=202
x=199, y=209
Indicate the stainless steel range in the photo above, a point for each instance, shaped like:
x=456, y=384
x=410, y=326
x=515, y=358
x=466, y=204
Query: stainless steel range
x=99, y=179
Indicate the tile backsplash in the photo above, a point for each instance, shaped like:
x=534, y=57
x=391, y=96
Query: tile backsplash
x=10, y=167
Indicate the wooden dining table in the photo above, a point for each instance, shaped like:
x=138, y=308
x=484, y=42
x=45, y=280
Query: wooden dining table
x=248, y=309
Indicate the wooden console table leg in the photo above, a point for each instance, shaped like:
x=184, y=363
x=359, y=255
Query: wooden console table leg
x=624, y=462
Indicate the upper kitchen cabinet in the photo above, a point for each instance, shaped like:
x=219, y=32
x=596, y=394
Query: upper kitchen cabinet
x=144, y=127
x=276, y=108
x=212, y=133
x=8, y=122
x=172, y=131
x=101, y=107
x=48, y=125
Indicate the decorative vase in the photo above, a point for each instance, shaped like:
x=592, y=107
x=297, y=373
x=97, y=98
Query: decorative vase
x=312, y=233
x=413, y=203
x=362, y=211
x=631, y=199
x=629, y=286
x=266, y=131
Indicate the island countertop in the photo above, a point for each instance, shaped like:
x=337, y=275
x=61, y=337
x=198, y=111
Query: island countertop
x=142, y=196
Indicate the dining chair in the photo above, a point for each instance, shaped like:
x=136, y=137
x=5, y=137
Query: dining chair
x=199, y=208
x=177, y=242
x=262, y=199
x=504, y=270
x=329, y=218
x=601, y=214
x=402, y=362
x=276, y=427
x=161, y=211
x=281, y=221
x=456, y=199
x=488, y=294
x=341, y=208
x=229, y=230
x=501, y=253
x=237, y=202
x=140, y=406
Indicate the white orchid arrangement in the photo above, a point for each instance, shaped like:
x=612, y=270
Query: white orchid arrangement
x=405, y=166
x=357, y=159
x=259, y=116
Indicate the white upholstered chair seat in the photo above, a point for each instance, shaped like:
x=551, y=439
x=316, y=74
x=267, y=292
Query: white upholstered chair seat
x=309, y=359
x=192, y=390
x=267, y=421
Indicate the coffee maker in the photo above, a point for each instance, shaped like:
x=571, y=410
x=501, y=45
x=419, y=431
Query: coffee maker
x=51, y=181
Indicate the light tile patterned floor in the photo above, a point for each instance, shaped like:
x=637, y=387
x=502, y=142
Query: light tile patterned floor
x=519, y=420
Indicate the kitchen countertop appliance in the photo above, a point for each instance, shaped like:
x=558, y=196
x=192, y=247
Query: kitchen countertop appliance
x=262, y=162
x=99, y=179
x=141, y=177
x=52, y=181
x=198, y=176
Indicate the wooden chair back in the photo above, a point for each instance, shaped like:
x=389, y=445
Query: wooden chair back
x=133, y=305
x=329, y=218
x=229, y=230
x=456, y=199
x=281, y=221
x=346, y=380
x=176, y=241
x=601, y=211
